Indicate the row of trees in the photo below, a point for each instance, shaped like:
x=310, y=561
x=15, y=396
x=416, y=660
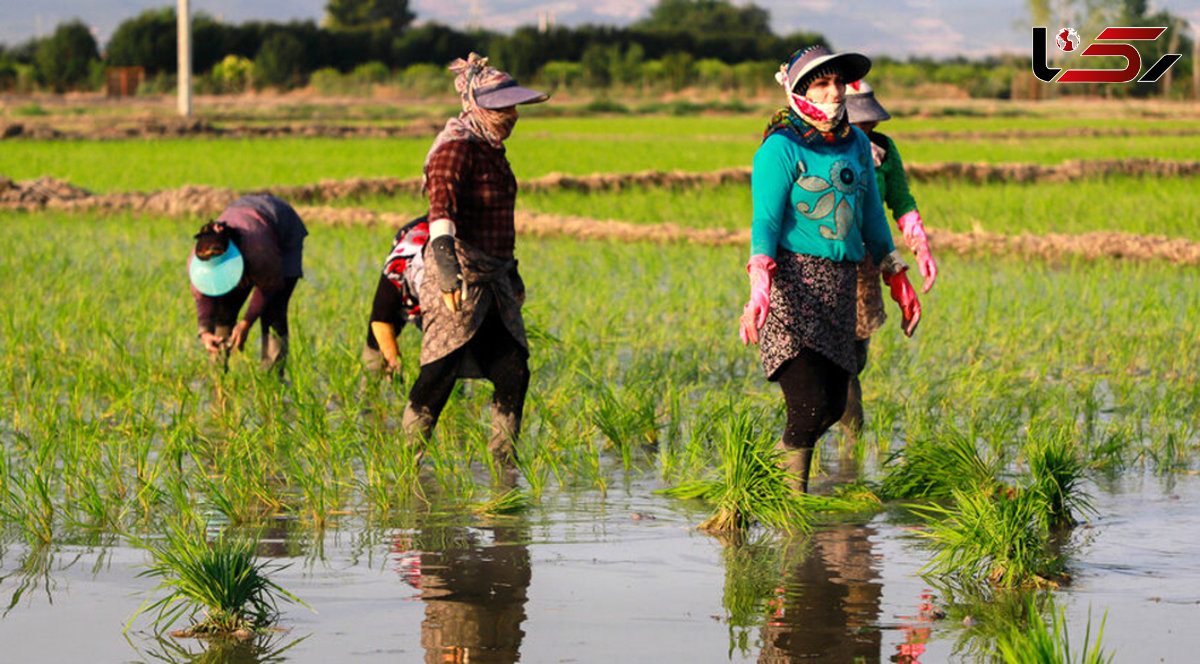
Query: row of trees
x=679, y=44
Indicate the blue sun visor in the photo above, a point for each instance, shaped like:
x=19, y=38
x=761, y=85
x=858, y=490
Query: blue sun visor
x=219, y=274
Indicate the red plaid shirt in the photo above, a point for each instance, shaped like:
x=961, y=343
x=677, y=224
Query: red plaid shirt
x=471, y=184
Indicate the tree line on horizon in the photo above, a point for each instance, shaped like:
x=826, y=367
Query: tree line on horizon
x=360, y=43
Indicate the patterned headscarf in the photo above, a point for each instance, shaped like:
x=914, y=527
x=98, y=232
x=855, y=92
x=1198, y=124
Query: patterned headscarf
x=475, y=123
x=795, y=81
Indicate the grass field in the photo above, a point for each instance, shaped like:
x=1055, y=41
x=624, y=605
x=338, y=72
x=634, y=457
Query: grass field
x=539, y=146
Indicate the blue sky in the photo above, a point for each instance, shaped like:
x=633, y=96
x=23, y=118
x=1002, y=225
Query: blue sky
x=936, y=28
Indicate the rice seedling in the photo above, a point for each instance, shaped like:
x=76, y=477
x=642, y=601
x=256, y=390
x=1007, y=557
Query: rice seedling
x=626, y=421
x=936, y=466
x=220, y=579
x=1056, y=473
x=1049, y=642
x=509, y=502
x=749, y=485
x=847, y=498
x=999, y=538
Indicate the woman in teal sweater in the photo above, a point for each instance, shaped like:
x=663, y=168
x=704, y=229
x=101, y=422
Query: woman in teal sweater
x=865, y=112
x=816, y=215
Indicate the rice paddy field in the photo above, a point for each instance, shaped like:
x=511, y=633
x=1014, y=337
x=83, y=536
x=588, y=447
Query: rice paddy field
x=1026, y=481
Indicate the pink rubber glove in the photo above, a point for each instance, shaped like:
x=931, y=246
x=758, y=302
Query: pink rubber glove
x=913, y=229
x=906, y=297
x=754, y=315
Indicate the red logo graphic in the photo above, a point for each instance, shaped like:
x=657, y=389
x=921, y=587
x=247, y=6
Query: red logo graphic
x=1067, y=40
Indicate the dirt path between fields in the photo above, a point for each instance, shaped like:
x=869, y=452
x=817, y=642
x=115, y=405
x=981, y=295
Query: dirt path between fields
x=202, y=201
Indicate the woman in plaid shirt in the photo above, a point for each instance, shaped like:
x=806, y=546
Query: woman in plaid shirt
x=472, y=290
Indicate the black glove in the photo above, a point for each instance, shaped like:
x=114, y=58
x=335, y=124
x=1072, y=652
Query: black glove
x=449, y=272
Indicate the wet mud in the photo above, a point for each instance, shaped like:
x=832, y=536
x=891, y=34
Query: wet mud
x=53, y=194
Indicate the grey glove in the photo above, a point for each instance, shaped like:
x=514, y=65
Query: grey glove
x=449, y=272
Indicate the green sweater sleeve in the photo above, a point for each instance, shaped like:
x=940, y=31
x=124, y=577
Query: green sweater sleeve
x=876, y=235
x=896, y=193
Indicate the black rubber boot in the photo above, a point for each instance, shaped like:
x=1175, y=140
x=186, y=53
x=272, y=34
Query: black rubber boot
x=796, y=461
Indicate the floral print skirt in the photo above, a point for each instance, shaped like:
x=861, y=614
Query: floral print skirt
x=813, y=305
x=870, y=298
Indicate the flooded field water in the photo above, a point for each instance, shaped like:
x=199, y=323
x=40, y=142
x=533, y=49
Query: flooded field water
x=625, y=577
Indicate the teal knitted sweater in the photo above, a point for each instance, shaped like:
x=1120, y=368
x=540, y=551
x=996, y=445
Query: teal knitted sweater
x=817, y=198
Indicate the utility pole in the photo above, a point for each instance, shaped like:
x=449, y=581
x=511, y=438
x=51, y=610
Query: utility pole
x=184, y=24
x=1196, y=62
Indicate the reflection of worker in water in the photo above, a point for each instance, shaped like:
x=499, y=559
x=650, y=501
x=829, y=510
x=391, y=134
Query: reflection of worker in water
x=828, y=608
x=474, y=592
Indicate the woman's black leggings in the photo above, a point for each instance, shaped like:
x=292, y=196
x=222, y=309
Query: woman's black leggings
x=814, y=389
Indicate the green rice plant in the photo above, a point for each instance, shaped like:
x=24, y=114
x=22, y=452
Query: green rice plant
x=1000, y=538
x=749, y=485
x=220, y=578
x=847, y=498
x=1056, y=473
x=936, y=466
x=509, y=502
x=1048, y=642
x=628, y=420
x=29, y=501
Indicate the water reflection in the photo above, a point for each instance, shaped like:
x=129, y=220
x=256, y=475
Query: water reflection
x=34, y=573
x=474, y=582
x=269, y=648
x=825, y=605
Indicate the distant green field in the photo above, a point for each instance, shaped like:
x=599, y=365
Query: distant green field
x=1156, y=206
x=539, y=146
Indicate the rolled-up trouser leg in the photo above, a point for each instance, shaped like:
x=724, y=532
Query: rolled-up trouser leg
x=814, y=390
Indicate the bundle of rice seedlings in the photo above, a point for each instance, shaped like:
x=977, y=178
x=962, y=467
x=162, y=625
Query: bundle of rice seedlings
x=750, y=485
x=934, y=467
x=218, y=579
x=1057, y=473
x=998, y=537
x=1044, y=642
